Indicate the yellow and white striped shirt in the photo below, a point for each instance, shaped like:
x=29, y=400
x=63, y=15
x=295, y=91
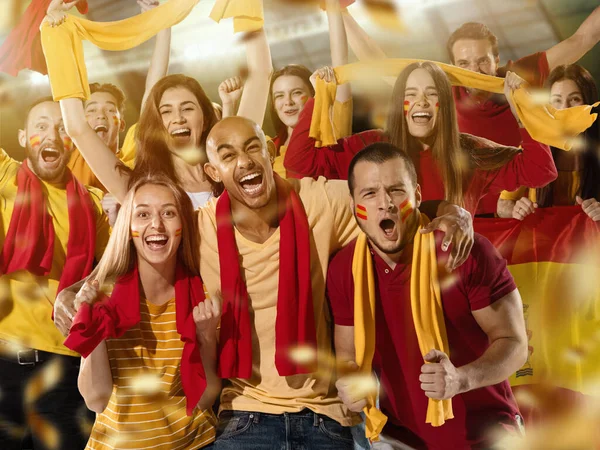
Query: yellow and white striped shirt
x=147, y=408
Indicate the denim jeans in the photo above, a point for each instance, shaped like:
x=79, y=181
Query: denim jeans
x=305, y=430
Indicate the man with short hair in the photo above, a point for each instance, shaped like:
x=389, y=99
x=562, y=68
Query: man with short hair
x=52, y=231
x=443, y=344
x=473, y=46
x=104, y=112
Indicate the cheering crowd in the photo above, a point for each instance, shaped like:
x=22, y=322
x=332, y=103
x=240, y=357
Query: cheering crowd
x=205, y=285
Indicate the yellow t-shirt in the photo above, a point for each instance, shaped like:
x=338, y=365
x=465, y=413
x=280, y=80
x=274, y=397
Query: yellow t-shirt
x=26, y=300
x=79, y=167
x=564, y=190
x=147, y=408
x=332, y=226
x=342, y=124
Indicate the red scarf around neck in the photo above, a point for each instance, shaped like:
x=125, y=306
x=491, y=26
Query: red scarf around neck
x=295, y=324
x=29, y=242
x=113, y=316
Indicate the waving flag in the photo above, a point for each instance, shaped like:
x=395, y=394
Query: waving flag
x=554, y=257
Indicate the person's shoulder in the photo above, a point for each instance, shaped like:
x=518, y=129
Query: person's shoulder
x=341, y=261
x=207, y=214
x=482, y=248
x=322, y=193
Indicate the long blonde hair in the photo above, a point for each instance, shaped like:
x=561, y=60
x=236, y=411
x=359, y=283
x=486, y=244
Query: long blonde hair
x=120, y=254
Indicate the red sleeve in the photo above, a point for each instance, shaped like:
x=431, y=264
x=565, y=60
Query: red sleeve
x=303, y=159
x=532, y=68
x=533, y=167
x=340, y=287
x=485, y=276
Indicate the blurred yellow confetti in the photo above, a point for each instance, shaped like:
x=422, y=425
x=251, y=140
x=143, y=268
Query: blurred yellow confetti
x=147, y=384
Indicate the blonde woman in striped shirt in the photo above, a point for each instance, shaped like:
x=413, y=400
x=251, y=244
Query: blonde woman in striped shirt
x=150, y=349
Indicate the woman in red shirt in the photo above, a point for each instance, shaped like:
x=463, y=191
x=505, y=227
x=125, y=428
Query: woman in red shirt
x=458, y=167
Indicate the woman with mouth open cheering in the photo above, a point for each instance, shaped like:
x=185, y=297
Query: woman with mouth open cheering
x=149, y=350
x=458, y=167
x=177, y=116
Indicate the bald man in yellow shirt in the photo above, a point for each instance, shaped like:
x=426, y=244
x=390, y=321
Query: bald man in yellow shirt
x=52, y=229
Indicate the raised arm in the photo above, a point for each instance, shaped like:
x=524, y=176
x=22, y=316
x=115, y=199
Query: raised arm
x=534, y=166
x=99, y=157
x=575, y=47
x=362, y=45
x=338, y=43
x=304, y=159
x=159, y=64
x=256, y=88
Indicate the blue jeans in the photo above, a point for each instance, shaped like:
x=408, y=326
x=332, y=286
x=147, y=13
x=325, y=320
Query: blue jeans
x=289, y=431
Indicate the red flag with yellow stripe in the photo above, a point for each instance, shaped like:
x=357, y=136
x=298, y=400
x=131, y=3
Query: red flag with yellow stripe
x=554, y=257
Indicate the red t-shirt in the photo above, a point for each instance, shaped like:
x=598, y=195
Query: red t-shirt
x=493, y=119
x=533, y=167
x=481, y=280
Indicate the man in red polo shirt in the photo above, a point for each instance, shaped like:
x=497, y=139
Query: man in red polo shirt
x=481, y=310
x=474, y=47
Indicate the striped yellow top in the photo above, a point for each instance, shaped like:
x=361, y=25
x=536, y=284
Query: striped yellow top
x=147, y=406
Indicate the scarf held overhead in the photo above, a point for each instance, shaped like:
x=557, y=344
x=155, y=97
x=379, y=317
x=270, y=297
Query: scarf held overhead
x=544, y=123
x=115, y=315
x=29, y=242
x=295, y=323
x=63, y=44
x=427, y=312
x=247, y=14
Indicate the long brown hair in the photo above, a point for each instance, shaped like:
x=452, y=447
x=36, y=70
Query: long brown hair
x=153, y=154
x=590, y=157
x=446, y=149
x=295, y=70
x=120, y=254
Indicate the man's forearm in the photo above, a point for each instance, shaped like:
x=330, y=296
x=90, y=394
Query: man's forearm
x=502, y=358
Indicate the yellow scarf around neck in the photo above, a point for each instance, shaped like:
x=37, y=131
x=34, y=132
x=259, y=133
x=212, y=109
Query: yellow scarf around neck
x=544, y=123
x=63, y=44
x=427, y=312
x=247, y=14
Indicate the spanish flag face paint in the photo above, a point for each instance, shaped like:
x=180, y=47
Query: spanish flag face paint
x=68, y=143
x=116, y=121
x=437, y=106
x=178, y=232
x=406, y=209
x=35, y=140
x=406, y=107
x=135, y=234
x=361, y=212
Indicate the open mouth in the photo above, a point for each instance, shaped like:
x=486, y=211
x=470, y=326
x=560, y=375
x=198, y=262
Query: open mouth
x=156, y=241
x=421, y=117
x=50, y=155
x=252, y=183
x=388, y=227
x=291, y=112
x=182, y=134
x=100, y=128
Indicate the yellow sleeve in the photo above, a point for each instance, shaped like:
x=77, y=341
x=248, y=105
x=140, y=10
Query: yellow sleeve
x=514, y=195
x=5, y=163
x=330, y=200
x=127, y=153
x=102, y=226
x=63, y=48
x=342, y=119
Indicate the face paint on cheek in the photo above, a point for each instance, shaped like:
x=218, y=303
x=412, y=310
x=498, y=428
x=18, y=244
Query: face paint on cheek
x=68, y=143
x=361, y=212
x=34, y=140
x=178, y=232
x=437, y=106
x=406, y=107
x=406, y=209
x=116, y=121
x=135, y=234
x=304, y=99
